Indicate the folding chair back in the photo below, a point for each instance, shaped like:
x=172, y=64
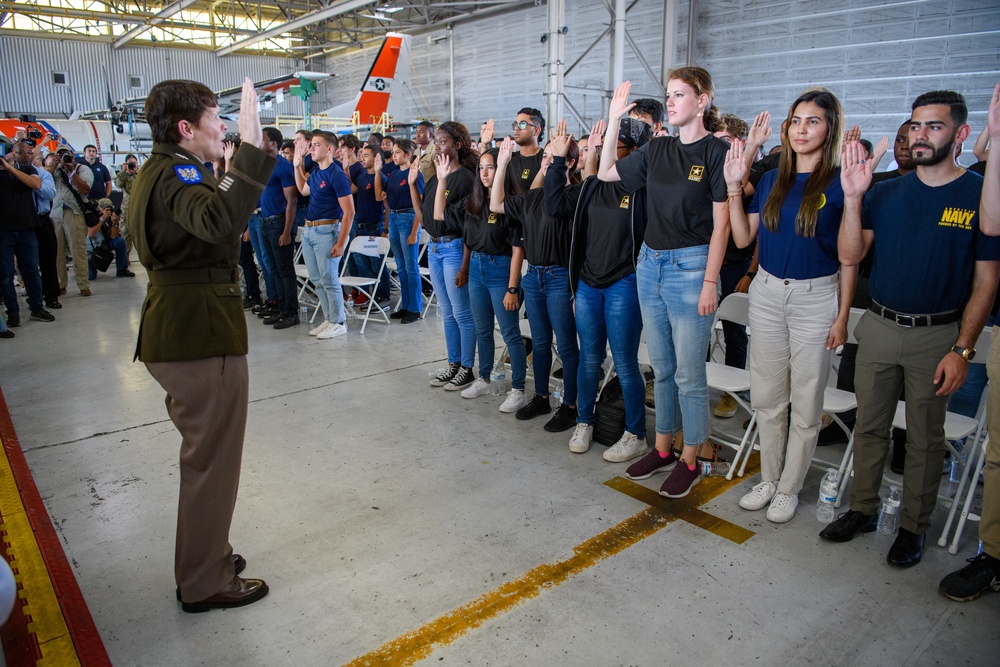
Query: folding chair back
x=371, y=246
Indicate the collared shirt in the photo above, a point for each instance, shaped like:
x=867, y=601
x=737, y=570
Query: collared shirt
x=45, y=194
x=65, y=198
x=102, y=177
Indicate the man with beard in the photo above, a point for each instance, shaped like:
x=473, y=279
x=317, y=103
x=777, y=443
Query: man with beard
x=933, y=279
x=529, y=130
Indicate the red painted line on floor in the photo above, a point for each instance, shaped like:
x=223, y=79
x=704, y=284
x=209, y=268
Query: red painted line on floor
x=21, y=647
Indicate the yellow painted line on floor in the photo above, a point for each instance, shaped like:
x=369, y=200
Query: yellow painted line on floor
x=418, y=644
x=41, y=604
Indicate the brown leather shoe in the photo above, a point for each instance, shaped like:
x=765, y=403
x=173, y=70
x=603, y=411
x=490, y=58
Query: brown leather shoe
x=239, y=562
x=237, y=593
x=85, y=292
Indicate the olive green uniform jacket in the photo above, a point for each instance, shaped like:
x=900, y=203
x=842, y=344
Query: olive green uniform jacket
x=187, y=228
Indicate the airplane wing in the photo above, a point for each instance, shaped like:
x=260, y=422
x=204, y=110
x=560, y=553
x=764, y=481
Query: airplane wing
x=229, y=99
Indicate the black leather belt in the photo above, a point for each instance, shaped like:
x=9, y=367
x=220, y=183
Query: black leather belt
x=400, y=210
x=193, y=276
x=444, y=239
x=908, y=320
x=276, y=216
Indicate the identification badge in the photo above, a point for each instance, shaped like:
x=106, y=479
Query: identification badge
x=187, y=174
x=696, y=173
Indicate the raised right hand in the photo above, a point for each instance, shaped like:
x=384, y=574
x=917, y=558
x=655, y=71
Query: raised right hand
x=855, y=169
x=506, y=150
x=619, y=102
x=760, y=130
x=249, y=118
x=736, y=167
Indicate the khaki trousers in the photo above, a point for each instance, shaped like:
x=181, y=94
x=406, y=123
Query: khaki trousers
x=789, y=362
x=72, y=232
x=989, y=525
x=890, y=357
x=207, y=402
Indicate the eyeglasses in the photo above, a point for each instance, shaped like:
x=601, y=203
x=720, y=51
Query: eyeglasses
x=521, y=125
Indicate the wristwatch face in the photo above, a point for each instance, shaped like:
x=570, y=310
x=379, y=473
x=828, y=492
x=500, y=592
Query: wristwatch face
x=511, y=290
x=967, y=353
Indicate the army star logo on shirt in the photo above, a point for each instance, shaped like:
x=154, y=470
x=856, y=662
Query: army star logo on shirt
x=492, y=220
x=525, y=174
x=625, y=201
x=188, y=174
x=696, y=173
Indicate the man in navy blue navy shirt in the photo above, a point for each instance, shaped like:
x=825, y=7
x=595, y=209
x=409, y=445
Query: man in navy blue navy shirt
x=934, y=276
x=101, y=186
x=278, y=204
x=369, y=220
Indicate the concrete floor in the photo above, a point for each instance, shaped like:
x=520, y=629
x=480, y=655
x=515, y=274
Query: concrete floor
x=373, y=505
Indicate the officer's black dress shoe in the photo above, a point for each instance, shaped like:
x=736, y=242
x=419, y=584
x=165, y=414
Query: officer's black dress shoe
x=237, y=593
x=239, y=562
x=907, y=550
x=848, y=525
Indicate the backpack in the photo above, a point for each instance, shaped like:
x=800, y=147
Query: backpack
x=609, y=414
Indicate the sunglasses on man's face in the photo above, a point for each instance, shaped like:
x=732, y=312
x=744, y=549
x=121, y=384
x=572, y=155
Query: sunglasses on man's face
x=521, y=125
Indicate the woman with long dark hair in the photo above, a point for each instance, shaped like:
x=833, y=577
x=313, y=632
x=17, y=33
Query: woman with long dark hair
x=444, y=251
x=403, y=201
x=795, y=316
x=678, y=271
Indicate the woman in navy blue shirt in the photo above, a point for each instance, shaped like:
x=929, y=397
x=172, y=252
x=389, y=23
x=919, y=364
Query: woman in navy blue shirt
x=404, y=226
x=795, y=318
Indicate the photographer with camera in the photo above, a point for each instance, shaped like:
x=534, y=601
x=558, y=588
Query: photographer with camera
x=46, y=231
x=73, y=182
x=106, y=238
x=124, y=180
x=18, y=219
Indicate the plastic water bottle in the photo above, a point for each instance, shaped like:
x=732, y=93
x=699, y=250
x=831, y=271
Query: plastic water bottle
x=555, y=396
x=888, y=518
x=957, y=461
x=714, y=468
x=304, y=317
x=828, y=488
x=497, y=378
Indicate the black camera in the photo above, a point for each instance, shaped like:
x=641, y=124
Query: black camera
x=131, y=166
x=34, y=134
x=67, y=158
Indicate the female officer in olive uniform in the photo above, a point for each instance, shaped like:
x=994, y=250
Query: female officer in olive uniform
x=193, y=334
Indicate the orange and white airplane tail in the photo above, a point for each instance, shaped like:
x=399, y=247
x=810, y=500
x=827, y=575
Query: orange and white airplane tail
x=384, y=88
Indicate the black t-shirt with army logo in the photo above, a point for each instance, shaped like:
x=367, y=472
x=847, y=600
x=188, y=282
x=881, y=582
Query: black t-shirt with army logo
x=488, y=232
x=681, y=181
x=522, y=170
x=459, y=185
x=546, y=239
x=609, y=254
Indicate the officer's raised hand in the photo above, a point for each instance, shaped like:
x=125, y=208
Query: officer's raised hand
x=249, y=118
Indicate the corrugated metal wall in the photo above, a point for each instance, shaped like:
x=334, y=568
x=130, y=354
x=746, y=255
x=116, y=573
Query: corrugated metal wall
x=876, y=55
x=93, y=67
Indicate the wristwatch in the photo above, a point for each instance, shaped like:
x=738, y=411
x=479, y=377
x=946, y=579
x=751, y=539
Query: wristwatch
x=967, y=353
x=752, y=274
x=511, y=290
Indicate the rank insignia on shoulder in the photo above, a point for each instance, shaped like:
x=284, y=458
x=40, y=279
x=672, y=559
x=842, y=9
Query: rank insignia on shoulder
x=188, y=174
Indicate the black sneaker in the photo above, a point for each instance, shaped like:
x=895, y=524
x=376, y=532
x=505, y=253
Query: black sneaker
x=250, y=304
x=258, y=307
x=563, y=420
x=14, y=319
x=967, y=584
x=125, y=273
x=463, y=378
x=54, y=304
x=399, y=314
x=286, y=322
x=446, y=376
x=273, y=319
x=41, y=315
x=410, y=317
x=538, y=405
x=6, y=333
x=848, y=525
x=269, y=310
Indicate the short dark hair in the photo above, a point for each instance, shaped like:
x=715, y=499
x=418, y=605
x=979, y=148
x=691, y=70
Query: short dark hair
x=274, y=134
x=351, y=141
x=390, y=138
x=650, y=107
x=169, y=102
x=288, y=144
x=426, y=123
x=404, y=145
x=868, y=145
x=329, y=137
x=376, y=136
x=306, y=134
x=955, y=101
x=536, y=118
x=90, y=146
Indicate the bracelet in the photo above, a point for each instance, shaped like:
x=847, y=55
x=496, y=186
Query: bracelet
x=711, y=282
x=752, y=274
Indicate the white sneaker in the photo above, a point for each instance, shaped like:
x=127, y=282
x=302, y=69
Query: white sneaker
x=323, y=326
x=333, y=331
x=759, y=496
x=782, y=508
x=478, y=388
x=580, y=442
x=628, y=447
x=515, y=401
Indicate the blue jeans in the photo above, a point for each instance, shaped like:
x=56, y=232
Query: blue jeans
x=259, y=248
x=734, y=334
x=444, y=261
x=324, y=270
x=23, y=244
x=670, y=283
x=611, y=315
x=367, y=266
x=400, y=225
x=250, y=275
x=965, y=401
x=286, y=291
x=117, y=246
x=489, y=276
x=547, y=300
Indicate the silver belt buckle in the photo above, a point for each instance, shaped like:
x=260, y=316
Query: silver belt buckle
x=901, y=320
